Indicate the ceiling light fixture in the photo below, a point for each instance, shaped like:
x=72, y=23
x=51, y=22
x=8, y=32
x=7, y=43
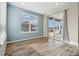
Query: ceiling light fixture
x=56, y=4
x=23, y=3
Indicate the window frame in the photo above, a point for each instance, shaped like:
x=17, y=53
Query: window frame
x=30, y=25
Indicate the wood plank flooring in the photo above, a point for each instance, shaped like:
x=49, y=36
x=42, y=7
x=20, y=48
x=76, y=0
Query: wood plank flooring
x=40, y=47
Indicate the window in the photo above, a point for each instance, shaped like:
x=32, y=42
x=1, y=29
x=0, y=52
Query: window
x=29, y=23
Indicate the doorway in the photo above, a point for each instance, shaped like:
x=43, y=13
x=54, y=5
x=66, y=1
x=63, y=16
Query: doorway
x=55, y=27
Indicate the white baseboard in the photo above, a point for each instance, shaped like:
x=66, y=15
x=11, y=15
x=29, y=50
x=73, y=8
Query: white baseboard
x=73, y=43
x=24, y=39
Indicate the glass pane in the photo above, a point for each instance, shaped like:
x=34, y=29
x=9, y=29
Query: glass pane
x=25, y=26
x=33, y=22
x=29, y=23
x=33, y=27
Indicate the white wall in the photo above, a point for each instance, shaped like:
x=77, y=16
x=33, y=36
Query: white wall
x=3, y=15
x=72, y=16
x=3, y=11
x=45, y=26
x=78, y=22
x=0, y=17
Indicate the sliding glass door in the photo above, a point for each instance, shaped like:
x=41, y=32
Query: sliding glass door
x=55, y=28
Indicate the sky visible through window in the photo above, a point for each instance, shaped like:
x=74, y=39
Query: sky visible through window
x=52, y=23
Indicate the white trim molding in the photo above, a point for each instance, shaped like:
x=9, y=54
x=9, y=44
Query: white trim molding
x=73, y=43
x=23, y=39
x=45, y=26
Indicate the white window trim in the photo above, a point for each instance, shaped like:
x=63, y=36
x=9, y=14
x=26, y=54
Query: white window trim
x=29, y=27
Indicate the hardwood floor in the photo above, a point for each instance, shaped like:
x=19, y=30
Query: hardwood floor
x=40, y=47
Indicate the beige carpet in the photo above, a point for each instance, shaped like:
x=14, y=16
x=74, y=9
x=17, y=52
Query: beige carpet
x=40, y=47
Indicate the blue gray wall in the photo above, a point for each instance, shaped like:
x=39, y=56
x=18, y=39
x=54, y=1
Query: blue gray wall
x=14, y=24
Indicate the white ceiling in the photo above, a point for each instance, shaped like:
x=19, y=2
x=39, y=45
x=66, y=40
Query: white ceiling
x=58, y=15
x=44, y=8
